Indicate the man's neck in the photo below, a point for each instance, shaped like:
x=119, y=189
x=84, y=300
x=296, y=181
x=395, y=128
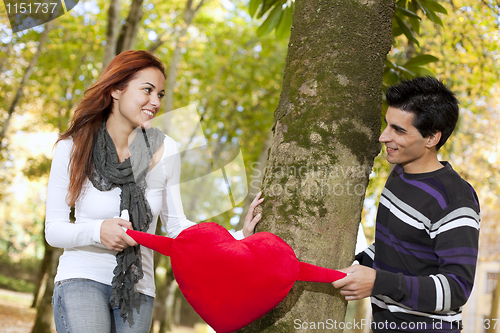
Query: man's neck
x=428, y=165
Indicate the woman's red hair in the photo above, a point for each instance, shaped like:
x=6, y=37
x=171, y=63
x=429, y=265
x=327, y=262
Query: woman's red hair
x=95, y=108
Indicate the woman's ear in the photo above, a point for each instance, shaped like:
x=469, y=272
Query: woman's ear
x=116, y=94
x=433, y=139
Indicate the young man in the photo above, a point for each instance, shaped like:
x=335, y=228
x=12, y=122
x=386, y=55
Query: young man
x=420, y=270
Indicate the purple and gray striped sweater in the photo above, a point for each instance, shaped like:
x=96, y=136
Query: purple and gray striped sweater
x=425, y=251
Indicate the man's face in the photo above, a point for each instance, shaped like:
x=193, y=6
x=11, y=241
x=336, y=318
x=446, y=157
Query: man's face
x=404, y=143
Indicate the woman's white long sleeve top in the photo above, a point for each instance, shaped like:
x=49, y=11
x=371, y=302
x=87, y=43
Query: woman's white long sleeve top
x=84, y=256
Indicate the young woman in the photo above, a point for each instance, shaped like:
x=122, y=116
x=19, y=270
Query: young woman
x=104, y=280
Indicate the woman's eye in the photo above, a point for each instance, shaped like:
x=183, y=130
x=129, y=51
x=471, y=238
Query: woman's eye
x=148, y=90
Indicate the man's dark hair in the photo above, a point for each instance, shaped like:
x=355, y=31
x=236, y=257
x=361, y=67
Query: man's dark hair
x=434, y=106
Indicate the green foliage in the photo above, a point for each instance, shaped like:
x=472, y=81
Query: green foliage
x=468, y=48
x=18, y=285
x=36, y=167
x=394, y=73
x=279, y=16
x=458, y=42
x=406, y=21
x=468, y=51
x=285, y=22
x=18, y=275
x=399, y=27
x=234, y=79
x=231, y=76
x=271, y=22
x=466, y=60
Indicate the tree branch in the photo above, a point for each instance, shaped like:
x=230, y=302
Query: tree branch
x=189, y=14
x=494, y=9
x=159, y=42
x=24, y=80
x=111, y=34
x=199, y=5
x=129, y=29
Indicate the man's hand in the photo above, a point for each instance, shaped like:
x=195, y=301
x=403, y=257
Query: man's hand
x=250, y=221
x=113, y=236
x=358, y=283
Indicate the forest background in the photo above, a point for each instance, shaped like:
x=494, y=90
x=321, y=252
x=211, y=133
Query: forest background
x=229, y=70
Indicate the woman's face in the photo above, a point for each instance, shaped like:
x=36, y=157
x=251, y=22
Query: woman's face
x=140, y=101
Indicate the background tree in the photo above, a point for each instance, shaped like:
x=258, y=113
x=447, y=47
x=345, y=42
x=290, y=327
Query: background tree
x=206, y=78
x=325, y=139
x=48, y=268
x=232, y=76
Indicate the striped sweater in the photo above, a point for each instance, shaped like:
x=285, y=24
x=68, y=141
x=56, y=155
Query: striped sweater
x=425, y=251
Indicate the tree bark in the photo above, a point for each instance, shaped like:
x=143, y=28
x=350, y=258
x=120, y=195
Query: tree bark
x=160, y=298
x=255, y=181
x=7, y=49
x=112, y=32
x=44, y=315
x=129, y=29
x=494, y=307
x=325, y=139
x=44, y=268
x=26, y=76
x=166, y=315
x=161, y=39
x=189, y=14
x=360, y=309
x=62, y=119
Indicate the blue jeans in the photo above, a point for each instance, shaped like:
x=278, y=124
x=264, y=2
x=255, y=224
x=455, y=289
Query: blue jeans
x=83, y=306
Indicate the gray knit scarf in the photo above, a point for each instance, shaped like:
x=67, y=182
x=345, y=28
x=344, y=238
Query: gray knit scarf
x=130, y=176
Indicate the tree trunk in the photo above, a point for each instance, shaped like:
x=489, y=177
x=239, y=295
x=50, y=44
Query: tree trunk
x=26, y=76
x=61, y=122
x=189, y=14
x=255, y=181
x=494, y=307
x=44, y=314
x=166, y=311
x=185, y=315
x=325, y=139
x=112, y=32
x=62, y=119
x=216, y=150
x=160, y=287
x=129, y=29
x=360, y=309
x=44, y=269
x=164, y=304
x=7, y=49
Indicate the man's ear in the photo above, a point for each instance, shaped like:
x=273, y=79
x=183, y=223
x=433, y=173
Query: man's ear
x=433, y=139
x=116, y=94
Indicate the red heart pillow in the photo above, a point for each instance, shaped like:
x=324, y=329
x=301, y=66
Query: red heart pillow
x=231, y=283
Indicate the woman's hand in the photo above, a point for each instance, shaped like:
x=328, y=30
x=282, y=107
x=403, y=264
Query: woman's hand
x=113, y=236
x=250, y=220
